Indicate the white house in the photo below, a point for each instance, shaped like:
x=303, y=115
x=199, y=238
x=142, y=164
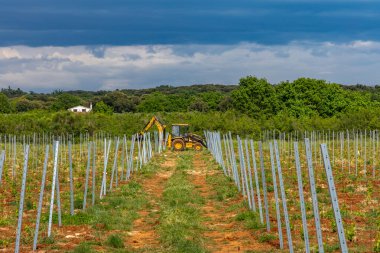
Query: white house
x=80, y=108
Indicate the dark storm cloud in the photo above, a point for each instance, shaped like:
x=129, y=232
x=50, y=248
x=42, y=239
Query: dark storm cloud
x=99, y=22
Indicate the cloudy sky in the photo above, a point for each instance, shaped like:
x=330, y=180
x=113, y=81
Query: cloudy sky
x=96, y=44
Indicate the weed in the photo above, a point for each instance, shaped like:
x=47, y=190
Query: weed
x=332, y=248
x=83, y=248
x=48, y=239
x=28, y=204
x=296, y=216
x=78, y=203
x=333, y=225
x=349, y=188
x=4, y=221
x=265, y=237
x=223, y=186
x=5, y=242
x=251, y=220
x=376, y=248
x=350, y=233
x=115, y=241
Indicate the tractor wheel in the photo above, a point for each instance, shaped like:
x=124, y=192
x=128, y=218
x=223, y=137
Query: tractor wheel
x=198, y=147
x=178, y=145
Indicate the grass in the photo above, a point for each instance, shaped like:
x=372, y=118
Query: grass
x=180, y=227
x=251, y=219
x=331, y=247
x=115, y=241
x=83, y=248
x=116, y=211
x=119, y=210
x=224, y=187
x=266, y=237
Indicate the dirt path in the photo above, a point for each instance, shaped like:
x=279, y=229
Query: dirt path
x=143, y=236
x=223, y=233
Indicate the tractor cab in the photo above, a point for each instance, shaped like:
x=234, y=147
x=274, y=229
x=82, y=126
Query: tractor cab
x=180, y=130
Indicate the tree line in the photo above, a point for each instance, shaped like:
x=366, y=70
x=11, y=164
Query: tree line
x=164, y=98
x=253, y=105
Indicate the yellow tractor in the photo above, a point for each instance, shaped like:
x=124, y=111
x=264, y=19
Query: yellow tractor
x=180, y=138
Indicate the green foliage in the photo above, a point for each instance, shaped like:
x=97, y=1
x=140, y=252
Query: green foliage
x=48, y=240
x=224, y=187
x=333, y=223
x=11, y=93
x=303, y=98
x=24, y=105
x=213, y=99
x=28, y=204
x=251, y=219
x=376, y=248
x=119, y=102
x=247, y=109
x=130, y=123
x=115, y=241
x=65, y=101
x=198, y=105
x=308, y=97
x=350, y=233
x=265, y=237
x=180, y=224
x=83, y=248
x=158, y=102
x=255, y=97
x=102, y=107
x=5, y=106
x=332, y=247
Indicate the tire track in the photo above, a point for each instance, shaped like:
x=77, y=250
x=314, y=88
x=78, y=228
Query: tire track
x=223, y=233
x=143, y=236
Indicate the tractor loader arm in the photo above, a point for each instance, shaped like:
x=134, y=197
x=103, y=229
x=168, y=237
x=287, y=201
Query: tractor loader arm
x=156, y=121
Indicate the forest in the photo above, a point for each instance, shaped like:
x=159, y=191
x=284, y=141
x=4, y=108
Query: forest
x=250, y=107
